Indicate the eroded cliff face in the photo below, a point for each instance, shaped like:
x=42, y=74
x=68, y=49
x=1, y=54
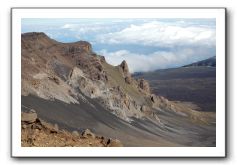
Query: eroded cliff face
x=72, y=72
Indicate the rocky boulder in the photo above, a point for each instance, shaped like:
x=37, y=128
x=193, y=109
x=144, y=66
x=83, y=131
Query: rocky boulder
x=75, y=133
x=114, y=143
x=29, y=117
x=53, y=128
x=88, y=134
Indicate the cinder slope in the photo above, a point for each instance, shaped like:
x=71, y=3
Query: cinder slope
x=37, y=133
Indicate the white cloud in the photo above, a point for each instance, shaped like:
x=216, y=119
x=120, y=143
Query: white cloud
x=181, y=42
x=68, y=26
x=161, y=34
x=82, y=28
x=157, y=60
x=95, y=28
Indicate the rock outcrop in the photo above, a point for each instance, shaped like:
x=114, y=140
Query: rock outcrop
x=114, y=143
x=81, y=55
x=88, y=134
x=29, y=117
x=128, y=79
x=144, y=86
x=72, y=72
x=123, y=67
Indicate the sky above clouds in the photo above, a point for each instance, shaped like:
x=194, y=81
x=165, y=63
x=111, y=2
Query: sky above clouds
x=146, y=44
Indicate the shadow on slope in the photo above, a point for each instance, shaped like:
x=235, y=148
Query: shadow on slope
x=189, y=84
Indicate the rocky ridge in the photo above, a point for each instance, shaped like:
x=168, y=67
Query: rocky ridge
x=72, y=72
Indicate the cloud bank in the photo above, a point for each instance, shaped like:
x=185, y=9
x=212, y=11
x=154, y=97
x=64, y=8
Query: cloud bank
x=157, y=60
x=162, y=34
x=146, y=44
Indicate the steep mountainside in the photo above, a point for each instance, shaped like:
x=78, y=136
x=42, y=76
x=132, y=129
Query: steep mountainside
x=53, y=70
x=69, y=84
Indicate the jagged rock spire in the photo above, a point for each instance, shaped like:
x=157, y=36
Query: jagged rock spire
x=144, y=85
x=125, y=72
x=124, y=67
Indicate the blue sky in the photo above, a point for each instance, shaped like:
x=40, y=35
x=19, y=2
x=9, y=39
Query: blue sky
x=146, y=44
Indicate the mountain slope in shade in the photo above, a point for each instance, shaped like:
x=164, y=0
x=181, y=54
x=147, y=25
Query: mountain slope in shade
x=191, y=84
x=208, y=62
x=72, y=86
